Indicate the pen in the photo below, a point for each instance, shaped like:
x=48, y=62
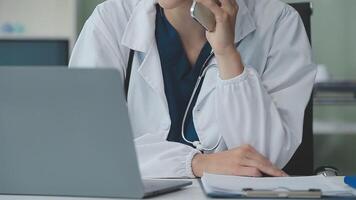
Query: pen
x=351, y=181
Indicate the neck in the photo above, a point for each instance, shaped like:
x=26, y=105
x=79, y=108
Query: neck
x=188, y=29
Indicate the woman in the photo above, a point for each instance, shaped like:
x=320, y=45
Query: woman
x=247, y=117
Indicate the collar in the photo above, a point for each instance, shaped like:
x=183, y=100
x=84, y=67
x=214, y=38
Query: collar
x=140, y=29
x=245, y=24
x=139, y=33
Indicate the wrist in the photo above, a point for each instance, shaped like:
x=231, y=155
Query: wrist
x=198, y=164
x=226, y=52
x=230, y=64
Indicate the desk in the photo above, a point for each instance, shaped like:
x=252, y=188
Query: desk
x=193, y=192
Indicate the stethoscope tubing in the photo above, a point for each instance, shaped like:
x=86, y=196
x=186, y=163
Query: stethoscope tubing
x=197, y=144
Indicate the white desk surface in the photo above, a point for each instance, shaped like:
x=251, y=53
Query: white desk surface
x=193, y=192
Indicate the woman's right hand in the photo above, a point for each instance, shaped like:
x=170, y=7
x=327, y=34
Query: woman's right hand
x=241, y=161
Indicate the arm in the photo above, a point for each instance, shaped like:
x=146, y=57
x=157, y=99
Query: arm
x=271, y=107
x=265, y=111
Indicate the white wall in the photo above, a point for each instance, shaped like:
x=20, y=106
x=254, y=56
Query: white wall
x=45, y=19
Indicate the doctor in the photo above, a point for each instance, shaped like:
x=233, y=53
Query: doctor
x=247, y=115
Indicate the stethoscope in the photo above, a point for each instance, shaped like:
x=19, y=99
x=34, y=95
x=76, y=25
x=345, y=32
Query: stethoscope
x=197, y=144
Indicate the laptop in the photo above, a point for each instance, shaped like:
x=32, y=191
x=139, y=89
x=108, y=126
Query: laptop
x=66, y=132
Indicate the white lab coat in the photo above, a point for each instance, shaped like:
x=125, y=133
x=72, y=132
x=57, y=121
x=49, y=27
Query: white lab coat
x=263, y=107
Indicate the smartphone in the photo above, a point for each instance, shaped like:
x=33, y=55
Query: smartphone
x=203, y=15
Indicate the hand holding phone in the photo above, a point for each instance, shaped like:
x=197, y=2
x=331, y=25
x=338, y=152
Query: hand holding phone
x=203, y=15
x=219, y=18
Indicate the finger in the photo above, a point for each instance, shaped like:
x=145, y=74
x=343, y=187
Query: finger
x=234, y=3
x=227, y=6
x=214, y=8
x=263, y=167
x=253, y=154
x=269, y=168
x=247, y=171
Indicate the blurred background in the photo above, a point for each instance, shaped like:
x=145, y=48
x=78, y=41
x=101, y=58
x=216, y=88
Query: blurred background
x=43, y=32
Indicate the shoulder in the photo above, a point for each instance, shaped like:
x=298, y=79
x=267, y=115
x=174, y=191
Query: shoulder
x=110, y=18
x=269, y=13
x=112, y=15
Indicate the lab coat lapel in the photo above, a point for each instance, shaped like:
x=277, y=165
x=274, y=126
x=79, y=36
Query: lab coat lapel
x=139, y=35
x=245, y=25
x=151, y=71
x=140, y=29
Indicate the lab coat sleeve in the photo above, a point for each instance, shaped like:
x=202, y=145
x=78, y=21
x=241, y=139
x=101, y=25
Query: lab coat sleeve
x=159, y=158
x=267, y=111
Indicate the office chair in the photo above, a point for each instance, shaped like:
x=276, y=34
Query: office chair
x=302, y=162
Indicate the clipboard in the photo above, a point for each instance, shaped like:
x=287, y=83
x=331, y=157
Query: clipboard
x=283, y=193
x=250, y=193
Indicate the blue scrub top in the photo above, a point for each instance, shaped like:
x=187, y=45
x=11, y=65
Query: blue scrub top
x=179, y=77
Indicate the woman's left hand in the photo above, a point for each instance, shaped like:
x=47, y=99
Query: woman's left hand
x=222, y=39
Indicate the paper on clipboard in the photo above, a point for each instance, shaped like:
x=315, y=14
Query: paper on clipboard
x=234, y=186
